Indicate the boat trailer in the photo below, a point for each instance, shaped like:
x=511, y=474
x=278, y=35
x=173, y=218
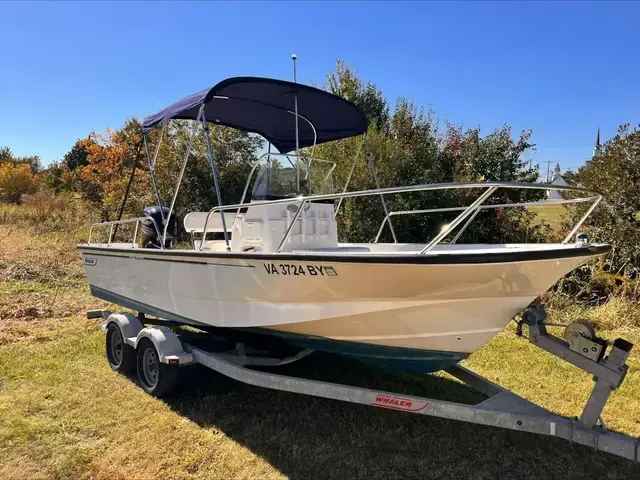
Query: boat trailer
x=156, y=352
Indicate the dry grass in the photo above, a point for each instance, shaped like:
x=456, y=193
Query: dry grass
x=65, y=415
x=616, y=315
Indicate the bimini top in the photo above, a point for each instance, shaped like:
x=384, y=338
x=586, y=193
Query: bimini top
x=265, y=106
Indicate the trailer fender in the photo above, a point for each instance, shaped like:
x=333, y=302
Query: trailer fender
x=129, y=325
x=169, y=346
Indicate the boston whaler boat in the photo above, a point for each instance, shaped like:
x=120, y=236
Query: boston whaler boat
x=271, y=278
x=280, y=270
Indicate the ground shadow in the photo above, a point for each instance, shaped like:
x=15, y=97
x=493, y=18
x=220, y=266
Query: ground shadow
x=308, y=437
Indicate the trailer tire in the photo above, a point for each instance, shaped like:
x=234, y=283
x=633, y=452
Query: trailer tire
x=121, y=357
x=155, y=378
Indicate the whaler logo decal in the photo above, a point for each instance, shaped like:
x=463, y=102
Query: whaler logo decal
x=399, y=403
x=89, y=261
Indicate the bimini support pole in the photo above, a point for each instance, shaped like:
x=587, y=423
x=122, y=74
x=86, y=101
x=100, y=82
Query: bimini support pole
x=184, y=166
x=294, y=57
x=152, y=174
x=163, y=129
x=129, y=183
x=353, y=167
x=214, y=172
x=384, y=202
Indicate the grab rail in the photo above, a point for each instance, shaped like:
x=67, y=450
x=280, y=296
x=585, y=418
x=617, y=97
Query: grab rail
x=137, y=221
x=469, y=211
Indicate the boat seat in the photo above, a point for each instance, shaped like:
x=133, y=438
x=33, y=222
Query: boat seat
x=194, y=222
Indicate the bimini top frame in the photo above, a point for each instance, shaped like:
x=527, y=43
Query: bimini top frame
x=266, y=106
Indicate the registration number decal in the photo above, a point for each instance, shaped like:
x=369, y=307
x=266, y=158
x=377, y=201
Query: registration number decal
x=292, y=269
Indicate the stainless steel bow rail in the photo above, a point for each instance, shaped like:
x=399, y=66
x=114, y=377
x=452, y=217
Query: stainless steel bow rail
x=595, y=199
x=501, y=409
x=467, y=213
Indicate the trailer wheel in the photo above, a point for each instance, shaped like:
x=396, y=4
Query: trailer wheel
x=121, y=357
x=155, y=377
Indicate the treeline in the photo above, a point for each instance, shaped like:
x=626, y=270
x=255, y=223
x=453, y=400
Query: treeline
x=408, y=145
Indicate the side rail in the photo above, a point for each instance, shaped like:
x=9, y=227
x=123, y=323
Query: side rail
x=467, y=213
x=137, y=221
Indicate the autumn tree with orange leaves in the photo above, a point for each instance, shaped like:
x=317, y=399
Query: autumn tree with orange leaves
x=15, y=181
x=17, y=175
x=110, y=158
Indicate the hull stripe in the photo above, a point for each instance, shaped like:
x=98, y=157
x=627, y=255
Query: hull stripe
x=410, y=258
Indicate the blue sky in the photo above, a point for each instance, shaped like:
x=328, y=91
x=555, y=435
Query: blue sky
x=561, y=69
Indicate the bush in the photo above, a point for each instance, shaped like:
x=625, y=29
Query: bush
x=15, y=181
x=45, y=202
x=615, y=172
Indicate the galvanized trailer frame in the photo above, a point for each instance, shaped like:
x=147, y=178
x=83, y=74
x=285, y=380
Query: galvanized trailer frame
x=502, y=408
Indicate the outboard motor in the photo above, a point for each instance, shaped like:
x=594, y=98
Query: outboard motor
x=148, y=232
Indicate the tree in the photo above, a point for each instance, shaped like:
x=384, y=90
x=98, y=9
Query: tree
x=17, y=175
x=54, y=177
x=33, y=162
x=345, y=83
x=408, y=149
x=615, y=173
x=15, y=181
x=6, y=154
x=77, y=156
x=110, y=158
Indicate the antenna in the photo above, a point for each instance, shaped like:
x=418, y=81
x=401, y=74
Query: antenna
x=294, y=57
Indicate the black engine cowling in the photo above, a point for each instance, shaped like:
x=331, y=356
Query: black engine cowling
x=148, y=232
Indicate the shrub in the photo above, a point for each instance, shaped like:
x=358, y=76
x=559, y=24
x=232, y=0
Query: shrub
x=44, y=203
x=15, y=181
x=615, y=172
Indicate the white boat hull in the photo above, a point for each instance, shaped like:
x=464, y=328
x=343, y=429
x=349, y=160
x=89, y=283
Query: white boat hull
x=442, y=306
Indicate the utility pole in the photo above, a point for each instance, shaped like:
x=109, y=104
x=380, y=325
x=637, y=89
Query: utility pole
x=548, y=170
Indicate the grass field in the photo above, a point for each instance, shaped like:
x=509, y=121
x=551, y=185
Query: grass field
x=65, y=414
x=554, y=215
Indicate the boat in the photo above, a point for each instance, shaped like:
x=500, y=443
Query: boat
x=272, y=268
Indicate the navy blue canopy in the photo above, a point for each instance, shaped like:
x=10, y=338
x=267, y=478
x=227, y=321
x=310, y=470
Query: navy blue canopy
x=265, y=106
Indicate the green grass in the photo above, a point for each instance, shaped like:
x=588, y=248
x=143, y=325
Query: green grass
x=554, y=215
x=65, y=415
